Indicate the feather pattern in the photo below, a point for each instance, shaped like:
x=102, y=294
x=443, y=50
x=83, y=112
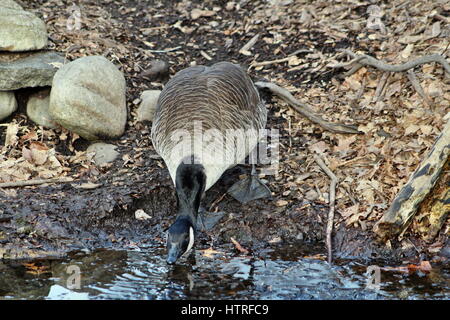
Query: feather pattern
x=211, y=113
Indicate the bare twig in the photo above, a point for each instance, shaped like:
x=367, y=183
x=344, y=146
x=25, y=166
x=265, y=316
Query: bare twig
x=164, y=51
x=354, y=101
x=33, y=182
x=249, y=45
x=266, y=63
x=332, y=200
x=371, y=61
x=305, y=110
x=216, y=202
x=416, y=84
x=205, y=55
x=380, y=87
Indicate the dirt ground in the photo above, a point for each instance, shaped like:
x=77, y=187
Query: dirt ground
x=398, y=128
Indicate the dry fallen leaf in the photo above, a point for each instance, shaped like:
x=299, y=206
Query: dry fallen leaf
x=35, y=268
x=238, y=246
x=197, y=13
x=423, y=266
x=11, y=134
x=210, y=252
x=39, y=152
x=87, y=185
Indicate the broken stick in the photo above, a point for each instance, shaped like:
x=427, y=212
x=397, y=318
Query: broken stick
x=405, y=205
x=332, y=200
x=245, y=49
x=416, y=85
x=26, y=183
x=305, y=110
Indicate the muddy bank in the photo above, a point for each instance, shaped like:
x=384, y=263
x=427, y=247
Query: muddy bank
x=56, y=219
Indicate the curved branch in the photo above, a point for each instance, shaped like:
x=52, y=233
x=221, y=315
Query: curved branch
x=305, y=110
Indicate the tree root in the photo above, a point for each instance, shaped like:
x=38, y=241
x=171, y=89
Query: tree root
x=371, y=61
x=305, y=110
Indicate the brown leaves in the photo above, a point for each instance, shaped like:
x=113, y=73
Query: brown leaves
x=36, y=268
x=37, y=154
x=11, y=135
x=210, y=253
x=23, y=157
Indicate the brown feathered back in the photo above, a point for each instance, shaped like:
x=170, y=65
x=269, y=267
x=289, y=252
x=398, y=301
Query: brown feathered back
x=220, y=98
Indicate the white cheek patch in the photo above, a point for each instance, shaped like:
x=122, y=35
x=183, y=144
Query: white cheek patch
x=191, y=241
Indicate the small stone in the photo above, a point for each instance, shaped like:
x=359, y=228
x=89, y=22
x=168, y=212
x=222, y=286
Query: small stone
x=275, y=240
x=311, y=195
x=230, y=5
x=102, y=153
x=158, y=69
x=141, y=215
x=281, y=203
x=37, y=109
x=147, y=108
x=8, y=104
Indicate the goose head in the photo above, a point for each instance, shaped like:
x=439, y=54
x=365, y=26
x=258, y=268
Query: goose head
x=190, y=184
x=180, y=239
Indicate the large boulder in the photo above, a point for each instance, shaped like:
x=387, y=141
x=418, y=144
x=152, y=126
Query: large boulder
x=8, y=104
x=20, y=30
x=23, y=70
x=88, y=98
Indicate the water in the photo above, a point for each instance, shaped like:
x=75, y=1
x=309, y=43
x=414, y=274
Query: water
x=282, y=272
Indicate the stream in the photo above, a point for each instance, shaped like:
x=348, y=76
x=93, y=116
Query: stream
x=288, y=271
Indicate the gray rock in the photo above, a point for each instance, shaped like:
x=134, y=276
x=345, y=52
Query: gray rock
x=311, y=195
x=20, y=30
x=147, y=108
x=28, y=70
x=103, y=153
x=158, y=69
x=8, y=104
x=88, y=98
x=37, y=109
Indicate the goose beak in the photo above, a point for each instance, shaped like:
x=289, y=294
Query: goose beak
x=173, y=254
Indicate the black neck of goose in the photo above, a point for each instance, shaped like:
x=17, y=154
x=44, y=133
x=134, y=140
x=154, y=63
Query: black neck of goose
x=190, y=185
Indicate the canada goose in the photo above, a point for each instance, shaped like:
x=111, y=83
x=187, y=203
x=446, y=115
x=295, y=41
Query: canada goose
x=196, y=109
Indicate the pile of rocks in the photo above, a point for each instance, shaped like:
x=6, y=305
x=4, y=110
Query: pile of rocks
x=86, y=96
